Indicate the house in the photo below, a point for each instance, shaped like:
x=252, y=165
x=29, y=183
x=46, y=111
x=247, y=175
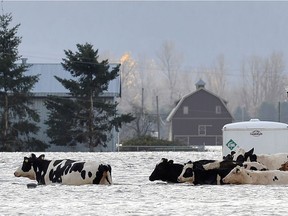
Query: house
x=198, y=118
x=48, y=85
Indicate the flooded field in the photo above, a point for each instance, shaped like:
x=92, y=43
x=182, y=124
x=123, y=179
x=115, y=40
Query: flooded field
x=132, y=193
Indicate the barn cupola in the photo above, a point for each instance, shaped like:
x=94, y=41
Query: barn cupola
x=200, y=84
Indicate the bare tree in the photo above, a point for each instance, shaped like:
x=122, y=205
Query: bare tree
x=141, y=126
x=273, y=79
x=262, y=81
x=216, y=76
x=170, y=62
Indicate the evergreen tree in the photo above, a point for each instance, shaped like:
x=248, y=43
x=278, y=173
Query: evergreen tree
x=85, y=117
x=17, y=119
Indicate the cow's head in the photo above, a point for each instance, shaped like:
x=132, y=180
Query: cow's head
x=187, y=174
x=235, y=176
x=103, y=175
x=229, y=157
x=254, y=166
x=161, y=170
x=240, y=155
x=26, y=170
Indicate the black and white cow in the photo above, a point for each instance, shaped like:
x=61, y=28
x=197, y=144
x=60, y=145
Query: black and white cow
x=240, y=155
x=29, y=173
x=254, y=166
x=200, y=176
x=239, y=175
x=231, y=164
x=214, y=172
x=166, y=170
x=169, y=171
x=271, y=161
x=67, y=171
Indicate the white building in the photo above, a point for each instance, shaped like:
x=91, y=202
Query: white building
x=48, y=85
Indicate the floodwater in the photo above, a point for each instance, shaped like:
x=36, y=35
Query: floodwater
x=132, y=193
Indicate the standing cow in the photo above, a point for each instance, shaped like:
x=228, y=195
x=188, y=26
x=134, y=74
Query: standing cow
x=66, y=171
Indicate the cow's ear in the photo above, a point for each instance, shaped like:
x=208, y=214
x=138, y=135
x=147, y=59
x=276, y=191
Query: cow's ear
x=250, y=152
x=232, y=153
x=170, y=161
x=33, y=156
x=26, y=159
x=101, y=168
x=41, y=157
x=190, y=162
x=164, y=160
x=253, y=158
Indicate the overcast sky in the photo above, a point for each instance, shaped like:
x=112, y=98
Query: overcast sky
x=201, y=30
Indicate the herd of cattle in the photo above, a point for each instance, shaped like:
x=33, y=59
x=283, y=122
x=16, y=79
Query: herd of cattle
x=236, y=168
x=239, y=167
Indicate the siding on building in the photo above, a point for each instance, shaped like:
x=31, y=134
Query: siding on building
x=198, y=118
x=48, y=85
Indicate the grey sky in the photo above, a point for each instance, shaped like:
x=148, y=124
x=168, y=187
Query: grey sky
x=200, y=30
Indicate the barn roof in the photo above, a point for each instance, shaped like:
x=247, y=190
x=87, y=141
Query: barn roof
x=174, y=110
x=48, y=85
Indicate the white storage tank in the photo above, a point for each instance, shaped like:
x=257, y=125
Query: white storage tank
x=264, y=136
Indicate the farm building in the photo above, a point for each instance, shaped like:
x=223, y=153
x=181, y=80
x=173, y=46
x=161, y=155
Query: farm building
x=48, y=85
x=198, y=118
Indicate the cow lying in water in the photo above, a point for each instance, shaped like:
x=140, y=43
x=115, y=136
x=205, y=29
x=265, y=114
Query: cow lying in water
x=168, y=171
x=66, y=171
x=214, y=172
x=200, y=176
x=271, y=161
x=239, y=175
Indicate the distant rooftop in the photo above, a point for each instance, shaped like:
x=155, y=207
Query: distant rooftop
x=47, y=83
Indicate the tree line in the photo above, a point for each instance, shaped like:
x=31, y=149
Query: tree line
x=83, y=118
x=257, y=90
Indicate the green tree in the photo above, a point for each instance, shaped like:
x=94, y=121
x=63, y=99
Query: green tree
x=85, y=117
x=17, y=118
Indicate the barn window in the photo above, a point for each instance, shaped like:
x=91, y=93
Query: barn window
x=202, y=130
x=218, y=109
x=185, y=110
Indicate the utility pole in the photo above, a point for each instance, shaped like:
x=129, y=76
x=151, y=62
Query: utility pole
x=158, y=118
x=142, y=102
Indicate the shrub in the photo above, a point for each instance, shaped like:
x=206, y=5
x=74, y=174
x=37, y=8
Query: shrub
x=147, y=141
